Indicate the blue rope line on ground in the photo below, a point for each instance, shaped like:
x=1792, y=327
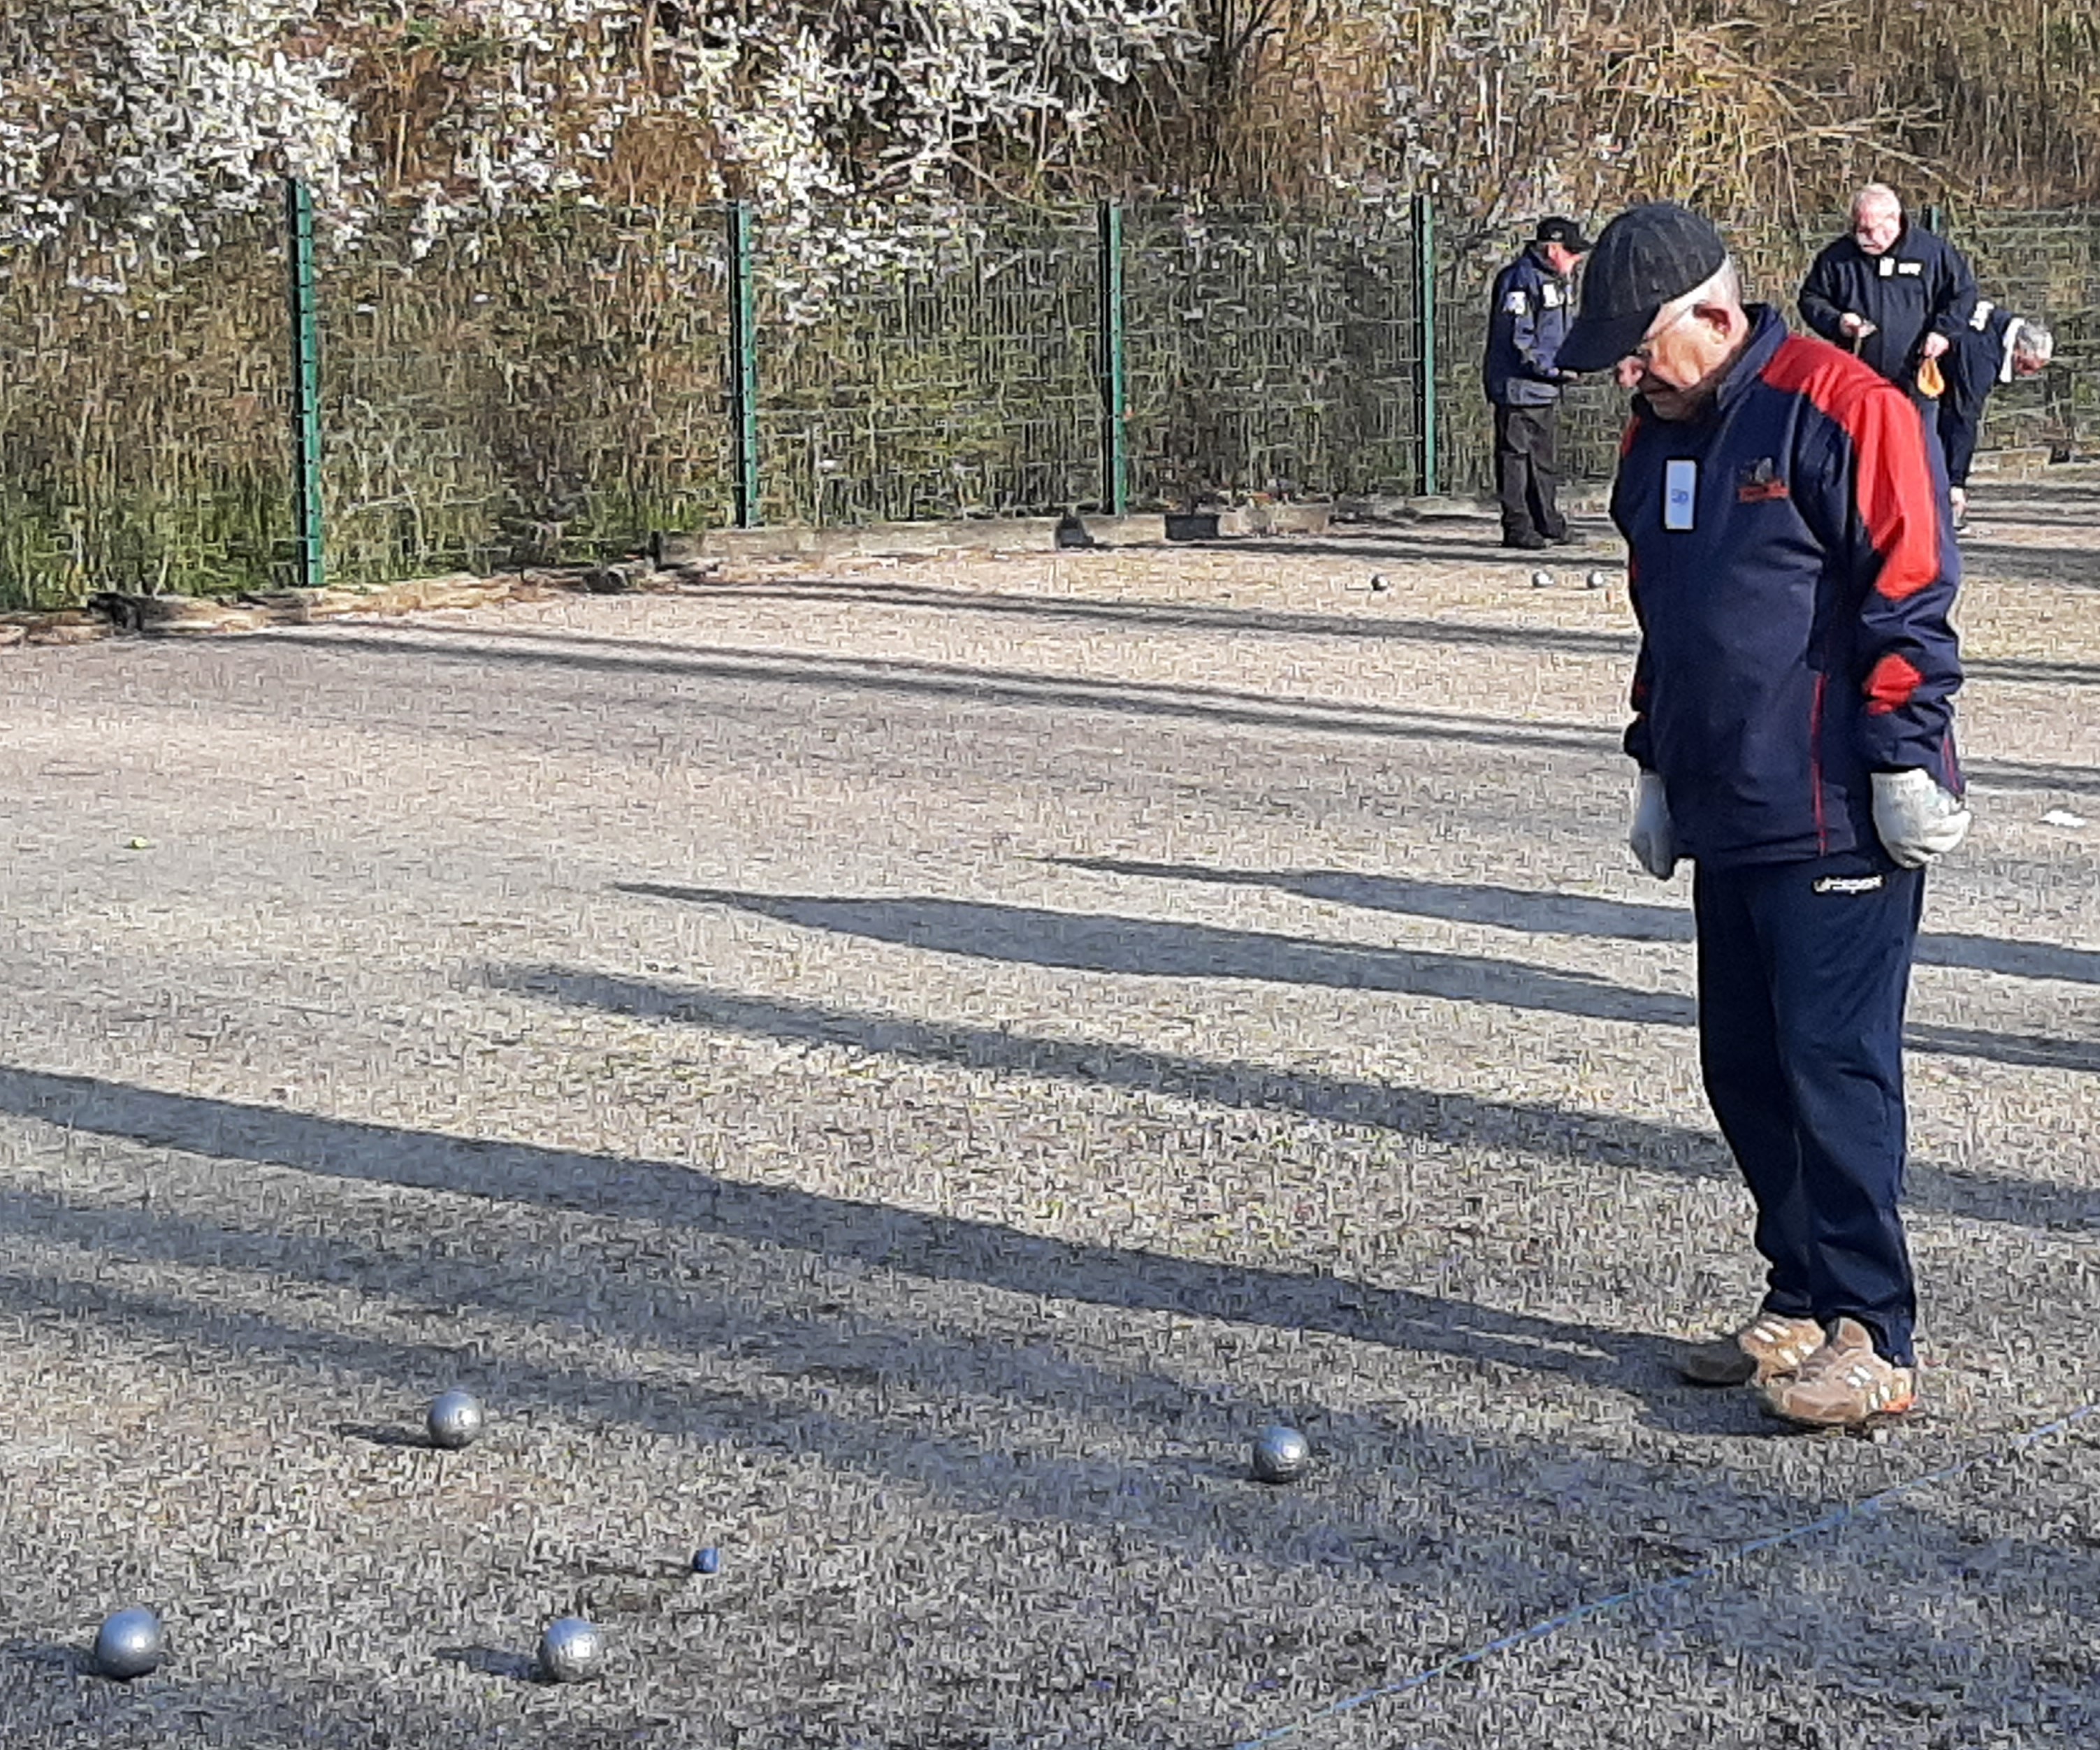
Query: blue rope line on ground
x=1658, y=1589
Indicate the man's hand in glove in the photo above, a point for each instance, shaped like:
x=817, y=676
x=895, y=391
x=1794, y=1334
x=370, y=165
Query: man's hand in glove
x=1652, y=838
x=1917, y=821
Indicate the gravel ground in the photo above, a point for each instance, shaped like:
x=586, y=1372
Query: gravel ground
x=895, y=1072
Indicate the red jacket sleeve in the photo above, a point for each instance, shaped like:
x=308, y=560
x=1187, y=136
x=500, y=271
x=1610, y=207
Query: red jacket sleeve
x=1902, y=550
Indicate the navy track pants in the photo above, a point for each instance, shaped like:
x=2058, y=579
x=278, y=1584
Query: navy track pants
x=1803, y=968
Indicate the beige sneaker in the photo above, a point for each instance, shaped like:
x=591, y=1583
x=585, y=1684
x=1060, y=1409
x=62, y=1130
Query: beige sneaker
x=1843, y=1384
x=1770, y=1343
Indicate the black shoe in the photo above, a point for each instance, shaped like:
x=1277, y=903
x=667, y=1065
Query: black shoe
x=1526, y=543
x=1566, y=538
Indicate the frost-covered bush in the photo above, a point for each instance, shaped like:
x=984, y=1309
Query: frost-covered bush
x=123, y=121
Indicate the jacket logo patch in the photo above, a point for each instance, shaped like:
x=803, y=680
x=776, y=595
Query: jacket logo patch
x=1517, y=304
x=1551, y=296
x=1910, y=267
x=1849, y=884
x=1760, y=484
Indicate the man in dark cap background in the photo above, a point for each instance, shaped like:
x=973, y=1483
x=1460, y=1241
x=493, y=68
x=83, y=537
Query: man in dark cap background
x=1793, y=570
x=1534, y=300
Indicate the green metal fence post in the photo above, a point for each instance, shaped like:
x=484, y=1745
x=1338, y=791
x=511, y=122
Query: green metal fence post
x=743, y=365
x=310, y=558
x=1425, y=309
x=1115, y=436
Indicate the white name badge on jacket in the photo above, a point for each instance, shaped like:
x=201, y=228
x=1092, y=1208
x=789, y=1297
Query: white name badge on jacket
x=1680, y=492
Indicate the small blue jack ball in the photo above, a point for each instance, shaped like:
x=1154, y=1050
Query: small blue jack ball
x=1280, y=1455
x=571, y=1650
x=455, y=1420
x=706, y=1561
x=130, y=1644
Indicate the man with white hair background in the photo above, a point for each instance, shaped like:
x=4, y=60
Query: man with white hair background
x=1995, y=347
x=1890, y=291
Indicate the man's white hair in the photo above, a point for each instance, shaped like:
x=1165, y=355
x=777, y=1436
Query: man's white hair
x=1876, y=195
x=2032, y=341
x=1724, y=285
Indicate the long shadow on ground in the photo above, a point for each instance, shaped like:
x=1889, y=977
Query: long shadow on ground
x=1537, y=914
x=1021, y=689
x=938, y=1247
x=2069, y=567
x=1147, y=947
x=1169, y=615
x=1544, y=1132
x=976, y=686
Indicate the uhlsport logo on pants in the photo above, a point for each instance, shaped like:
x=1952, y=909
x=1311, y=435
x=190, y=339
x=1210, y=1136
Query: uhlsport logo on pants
x=1871, y=884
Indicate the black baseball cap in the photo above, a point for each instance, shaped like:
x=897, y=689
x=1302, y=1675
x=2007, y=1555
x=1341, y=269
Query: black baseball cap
x=1564, y=232
x=1644, y=258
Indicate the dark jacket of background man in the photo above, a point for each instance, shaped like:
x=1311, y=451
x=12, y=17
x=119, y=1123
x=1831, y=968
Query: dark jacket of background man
x=1533, y=307
x=1980, y=359
x=1921, y=285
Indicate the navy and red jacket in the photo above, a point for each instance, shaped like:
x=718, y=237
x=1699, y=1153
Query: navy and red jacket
x=1921, y=285
x=1793, y=570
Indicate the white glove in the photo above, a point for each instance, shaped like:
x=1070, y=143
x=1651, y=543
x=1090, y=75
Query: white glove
x=1918, y=820
x=1652, y=838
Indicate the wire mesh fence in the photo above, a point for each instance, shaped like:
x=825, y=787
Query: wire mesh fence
x=142, y=424
x=536, y=396
x=556, y=390
x=960, y=384
x=1271, y=353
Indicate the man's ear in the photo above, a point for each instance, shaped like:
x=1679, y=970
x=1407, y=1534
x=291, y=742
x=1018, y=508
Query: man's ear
x=1718, y=318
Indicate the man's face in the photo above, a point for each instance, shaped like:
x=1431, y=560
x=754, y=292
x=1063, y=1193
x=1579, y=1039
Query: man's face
x=1561, y=259
x=2027, y=365
x=1875, y=226
x=1673, y=367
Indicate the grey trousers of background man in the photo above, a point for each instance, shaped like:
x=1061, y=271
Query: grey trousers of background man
x=1526, y=470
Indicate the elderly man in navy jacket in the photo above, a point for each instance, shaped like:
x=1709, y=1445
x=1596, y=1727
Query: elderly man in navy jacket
x=1533, y=298
x=1895, y=294
x=1792, y=572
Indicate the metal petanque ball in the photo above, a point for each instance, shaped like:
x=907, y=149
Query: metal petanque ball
x=1599, y=580
x=129, y=1643
x=1541, y=579
x=571, y=1650
x=455, y=1420
x=1280, y=1455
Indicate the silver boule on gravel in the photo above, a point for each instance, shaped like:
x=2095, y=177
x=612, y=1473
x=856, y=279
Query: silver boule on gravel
x=129, y=1643
x=1280, y=1455
x=1598, y=580
x=571, y=1650
x=1541, y=579
x=455, y=1420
